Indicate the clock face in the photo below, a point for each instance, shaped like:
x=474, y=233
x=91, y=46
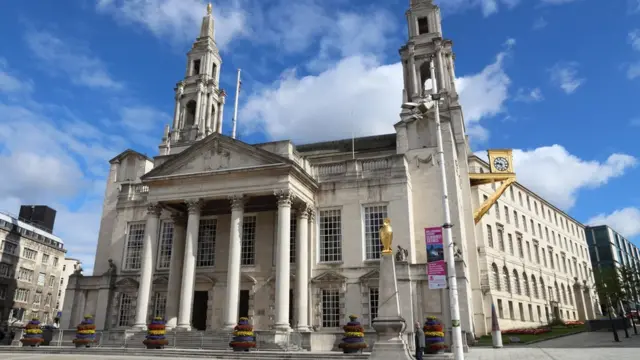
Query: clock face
x=501, y=163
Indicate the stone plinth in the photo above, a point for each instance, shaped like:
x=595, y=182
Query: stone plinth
x=389, y=325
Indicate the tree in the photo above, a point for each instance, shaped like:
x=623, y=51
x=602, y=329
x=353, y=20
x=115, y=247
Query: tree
x=629, y=289
x=610, y=291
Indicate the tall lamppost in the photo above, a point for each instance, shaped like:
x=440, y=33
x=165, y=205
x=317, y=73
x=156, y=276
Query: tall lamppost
x=456, y=330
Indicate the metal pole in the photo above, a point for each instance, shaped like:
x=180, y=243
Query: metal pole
x=235, y=108
x=456, y=330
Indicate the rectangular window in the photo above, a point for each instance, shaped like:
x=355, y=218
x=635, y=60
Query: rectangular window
x=520, y=198
x=207, y=242
x=528, y=203
x=29, y=254
x=524, y=223
x=511, y=248
x=330, y=308
x=166, y=242
x=501, y=238
x=536, y=253
x=55, y=261
x=373, y=219
x=21, y=295
x=196, y=67
x=520, y=247
x=25, y=275
x=37, y=298
x=5, y=270
x=512, y=315
x=528, y=250
x=248, y=250
x=135, y=241
x=489, y=235
x=423, y=25
x=531, y=318
x=42, y=277
x=330, y=235
x=159, y=305
x=47, y=300
x=3, y=291
x=45, y=259
x=292, y=238
x=500, y=309
x=125, y=312
x=373, y=303
x=506, y=214
x=533, y=228
x=9, y=248
x=521, y=309
x=497, y=210
x=515, y=219
x=52, y=280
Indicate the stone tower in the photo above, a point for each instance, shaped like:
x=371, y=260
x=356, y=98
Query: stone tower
x=199, y=100
x=416, y=139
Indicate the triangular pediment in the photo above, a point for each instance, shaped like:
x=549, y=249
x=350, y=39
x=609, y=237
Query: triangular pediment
x=329, y=276
x=371, y=275
x=216, y=153
x=161, y=280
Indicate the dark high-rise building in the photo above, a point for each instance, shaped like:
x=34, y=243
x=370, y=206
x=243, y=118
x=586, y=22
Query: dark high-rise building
x=39, y=215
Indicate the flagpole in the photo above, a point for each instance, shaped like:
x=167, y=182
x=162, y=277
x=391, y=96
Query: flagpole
x=235, y=108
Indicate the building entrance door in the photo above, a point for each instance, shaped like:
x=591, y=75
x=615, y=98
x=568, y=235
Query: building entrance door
x=199, y=314
x=243, y=305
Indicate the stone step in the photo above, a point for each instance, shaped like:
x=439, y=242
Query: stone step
x=174, y=353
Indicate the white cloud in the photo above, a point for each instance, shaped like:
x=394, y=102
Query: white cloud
x=179, y=20
x=488, y=7
x=565, y=76
x=72, y=60
x=571, y=174
x=634, y=39
x=529, y=95
x=9, y=83
x=625, y=221
x=540, y=23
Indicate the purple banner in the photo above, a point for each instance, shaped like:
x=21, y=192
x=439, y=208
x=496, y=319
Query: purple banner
x=435, y=251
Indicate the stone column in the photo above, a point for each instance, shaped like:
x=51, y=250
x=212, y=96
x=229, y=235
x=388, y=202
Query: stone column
x=189, y=265
x=283, y=265
x=440, y=75
x=176, y=113
x=146, y=272
x=197, y=121
x=175, y=269
x=233, y=270
x=591, y=313
x=207, y=110
x=414, y=77
x=302, y=273
x=219, y=114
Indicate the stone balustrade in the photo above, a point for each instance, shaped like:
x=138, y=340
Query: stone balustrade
x=362, y=168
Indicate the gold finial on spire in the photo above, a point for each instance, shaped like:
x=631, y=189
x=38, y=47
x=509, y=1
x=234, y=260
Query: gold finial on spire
x=209, y=9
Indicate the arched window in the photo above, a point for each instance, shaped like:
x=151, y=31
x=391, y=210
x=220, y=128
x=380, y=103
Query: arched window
x=495, y=276
x=534, y=287
x=425, y=77
x=525, y=283
x=516, y=283
x=505, y=279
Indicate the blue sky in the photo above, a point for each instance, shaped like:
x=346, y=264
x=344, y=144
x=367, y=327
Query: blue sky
x=553, y=79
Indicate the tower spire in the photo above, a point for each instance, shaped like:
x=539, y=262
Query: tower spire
x=206, y=29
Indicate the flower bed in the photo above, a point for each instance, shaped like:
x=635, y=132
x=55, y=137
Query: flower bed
x=33, y=334
x=573, y=323
x=353, y=340
x=156, y=332
x=530, y=331
x=85, y=332
x=243, y=336
x=434, y=336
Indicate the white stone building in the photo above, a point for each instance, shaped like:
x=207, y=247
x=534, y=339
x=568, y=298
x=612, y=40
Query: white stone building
x=214, y=228
x=69, y=267
x=30, y=271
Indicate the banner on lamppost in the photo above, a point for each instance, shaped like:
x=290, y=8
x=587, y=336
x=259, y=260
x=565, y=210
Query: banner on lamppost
x=436, y=266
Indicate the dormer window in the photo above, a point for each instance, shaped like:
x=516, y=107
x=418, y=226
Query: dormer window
x=423, y=25
x=196, y=67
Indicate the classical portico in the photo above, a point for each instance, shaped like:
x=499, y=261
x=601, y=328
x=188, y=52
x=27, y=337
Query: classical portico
x=194, y=185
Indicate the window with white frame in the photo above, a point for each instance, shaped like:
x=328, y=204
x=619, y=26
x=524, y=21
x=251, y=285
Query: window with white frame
x=248, y=249
x=374, y=216
x=25, y=275
x=42, y=277
x=125, y=312
x=47, y=300
x=159, y=305
x=45, y=258
x=52, y=280
x=55, y=261
x=29, y=254
x=21, y=295
x=292, y=238
x=207, y=242
x=374, y=300
x=166, y=242
x=330, y=235
x=330, y=308
x=135, y=241
x=37, y=298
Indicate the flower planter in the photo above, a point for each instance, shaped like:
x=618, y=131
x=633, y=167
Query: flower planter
x=33, y=334
x=85, y=333
x=353, y=340
x=434, y=336
x=243, y=336
x=156, y=332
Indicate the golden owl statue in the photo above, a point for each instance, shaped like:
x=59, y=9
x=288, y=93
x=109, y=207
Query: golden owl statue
x=386, y=237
